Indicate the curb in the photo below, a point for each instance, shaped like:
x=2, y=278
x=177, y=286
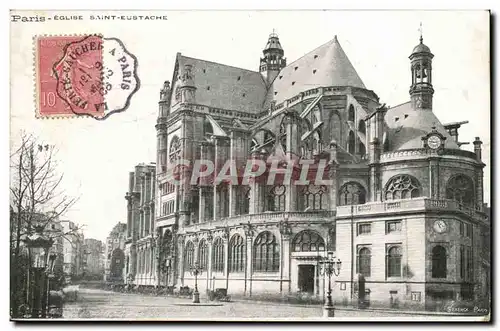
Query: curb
x=391, y=311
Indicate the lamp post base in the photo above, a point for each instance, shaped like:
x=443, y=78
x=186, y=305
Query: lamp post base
x=328, y=311
x=196, y=297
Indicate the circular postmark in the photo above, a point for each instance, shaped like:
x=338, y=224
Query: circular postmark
x=96, y=76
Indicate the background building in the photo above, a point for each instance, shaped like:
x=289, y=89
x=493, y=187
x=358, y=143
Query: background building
x=93, y=259
x=114, y=254
x=140, y=257
x=405, y=211
x=72, y=249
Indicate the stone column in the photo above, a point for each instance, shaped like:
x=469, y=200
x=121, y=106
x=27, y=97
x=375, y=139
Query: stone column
x=258, y=187
x=233, y=202
x=286, y=231
x=135, y=234
x=249, y=255
x=238, y=153
x=209, y=260
x=158, y=256
x=203, y=201
x=434, y=178
x=225, y=240
x=332, y=189
x=201, y=196
x=180, y=255
x=187, y=154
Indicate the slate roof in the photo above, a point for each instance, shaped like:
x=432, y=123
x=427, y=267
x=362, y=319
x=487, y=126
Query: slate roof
x=327, y=65
x=407, y=126
x=226, y=87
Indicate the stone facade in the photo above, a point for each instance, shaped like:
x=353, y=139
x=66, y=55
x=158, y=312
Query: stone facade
x=93, y=258
x=114, y=265
x=140, y=261
x=404, y=212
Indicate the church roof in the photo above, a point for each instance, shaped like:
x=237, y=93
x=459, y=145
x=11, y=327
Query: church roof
x=226, y=87
x=327, y=65
x=407, y=126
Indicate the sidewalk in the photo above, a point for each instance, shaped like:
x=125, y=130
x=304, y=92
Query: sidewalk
x=351, y=308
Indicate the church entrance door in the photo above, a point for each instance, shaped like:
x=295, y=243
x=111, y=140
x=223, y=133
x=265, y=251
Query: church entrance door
x=306, y=278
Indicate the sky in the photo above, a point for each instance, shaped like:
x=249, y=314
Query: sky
x=96, y=156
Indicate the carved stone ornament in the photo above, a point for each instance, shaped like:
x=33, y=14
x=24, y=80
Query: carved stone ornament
x=225, y=233
x=165, y=91
x=187, y=74
x=285, y=228
x=210, y=237
x=177, y=94
x=249, y=230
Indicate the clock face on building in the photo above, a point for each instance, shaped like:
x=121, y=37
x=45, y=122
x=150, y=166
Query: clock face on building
x=434, y=142
x=440, y=226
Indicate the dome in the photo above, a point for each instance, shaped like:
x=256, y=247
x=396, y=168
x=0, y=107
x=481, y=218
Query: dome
x=421, y=48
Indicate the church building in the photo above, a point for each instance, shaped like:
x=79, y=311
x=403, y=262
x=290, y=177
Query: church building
x=404, y=214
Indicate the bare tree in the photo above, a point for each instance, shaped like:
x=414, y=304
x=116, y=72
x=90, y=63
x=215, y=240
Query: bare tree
x=37, y=198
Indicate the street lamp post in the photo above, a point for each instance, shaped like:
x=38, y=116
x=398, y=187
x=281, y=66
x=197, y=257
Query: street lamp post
x=38, y=245
x=195, y=271
x=50, y=277
x=330, y=266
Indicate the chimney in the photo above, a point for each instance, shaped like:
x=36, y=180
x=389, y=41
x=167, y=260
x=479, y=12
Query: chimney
x=477, y=148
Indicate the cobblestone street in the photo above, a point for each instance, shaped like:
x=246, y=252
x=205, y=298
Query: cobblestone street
x=99, y=304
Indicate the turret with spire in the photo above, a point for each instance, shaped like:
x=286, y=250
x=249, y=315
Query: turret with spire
x=273, y=60
x=421, y=90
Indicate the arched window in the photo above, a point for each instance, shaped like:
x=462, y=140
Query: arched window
x=361, y=148
x=335, y=127
x=364, y=261
x=351, y=141
x=350, y=113
x=208, y=195
x=402, y=187
x=266, y=253
x=188, y=255
x=308, y=241
x=223, y=203
x=195, y=204
x=314, y=197
x=394, y=261
x=461, y=189
x=352, y=193
x=276, y=198
x=362, y=127
x=174, y=152
x=439, y=262
x=218, y=255
x=203, y=254
x=385, y=142
x=243, y=201
x=237, y=254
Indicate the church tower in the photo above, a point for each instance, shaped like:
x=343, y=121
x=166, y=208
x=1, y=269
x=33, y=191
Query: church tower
x=421, y=90
x=273, y=60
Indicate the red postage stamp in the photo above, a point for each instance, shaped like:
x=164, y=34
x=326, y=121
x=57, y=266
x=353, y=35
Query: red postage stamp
x=79, y=75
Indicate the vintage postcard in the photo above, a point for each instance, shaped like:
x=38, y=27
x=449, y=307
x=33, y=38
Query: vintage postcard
x=250, y=165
